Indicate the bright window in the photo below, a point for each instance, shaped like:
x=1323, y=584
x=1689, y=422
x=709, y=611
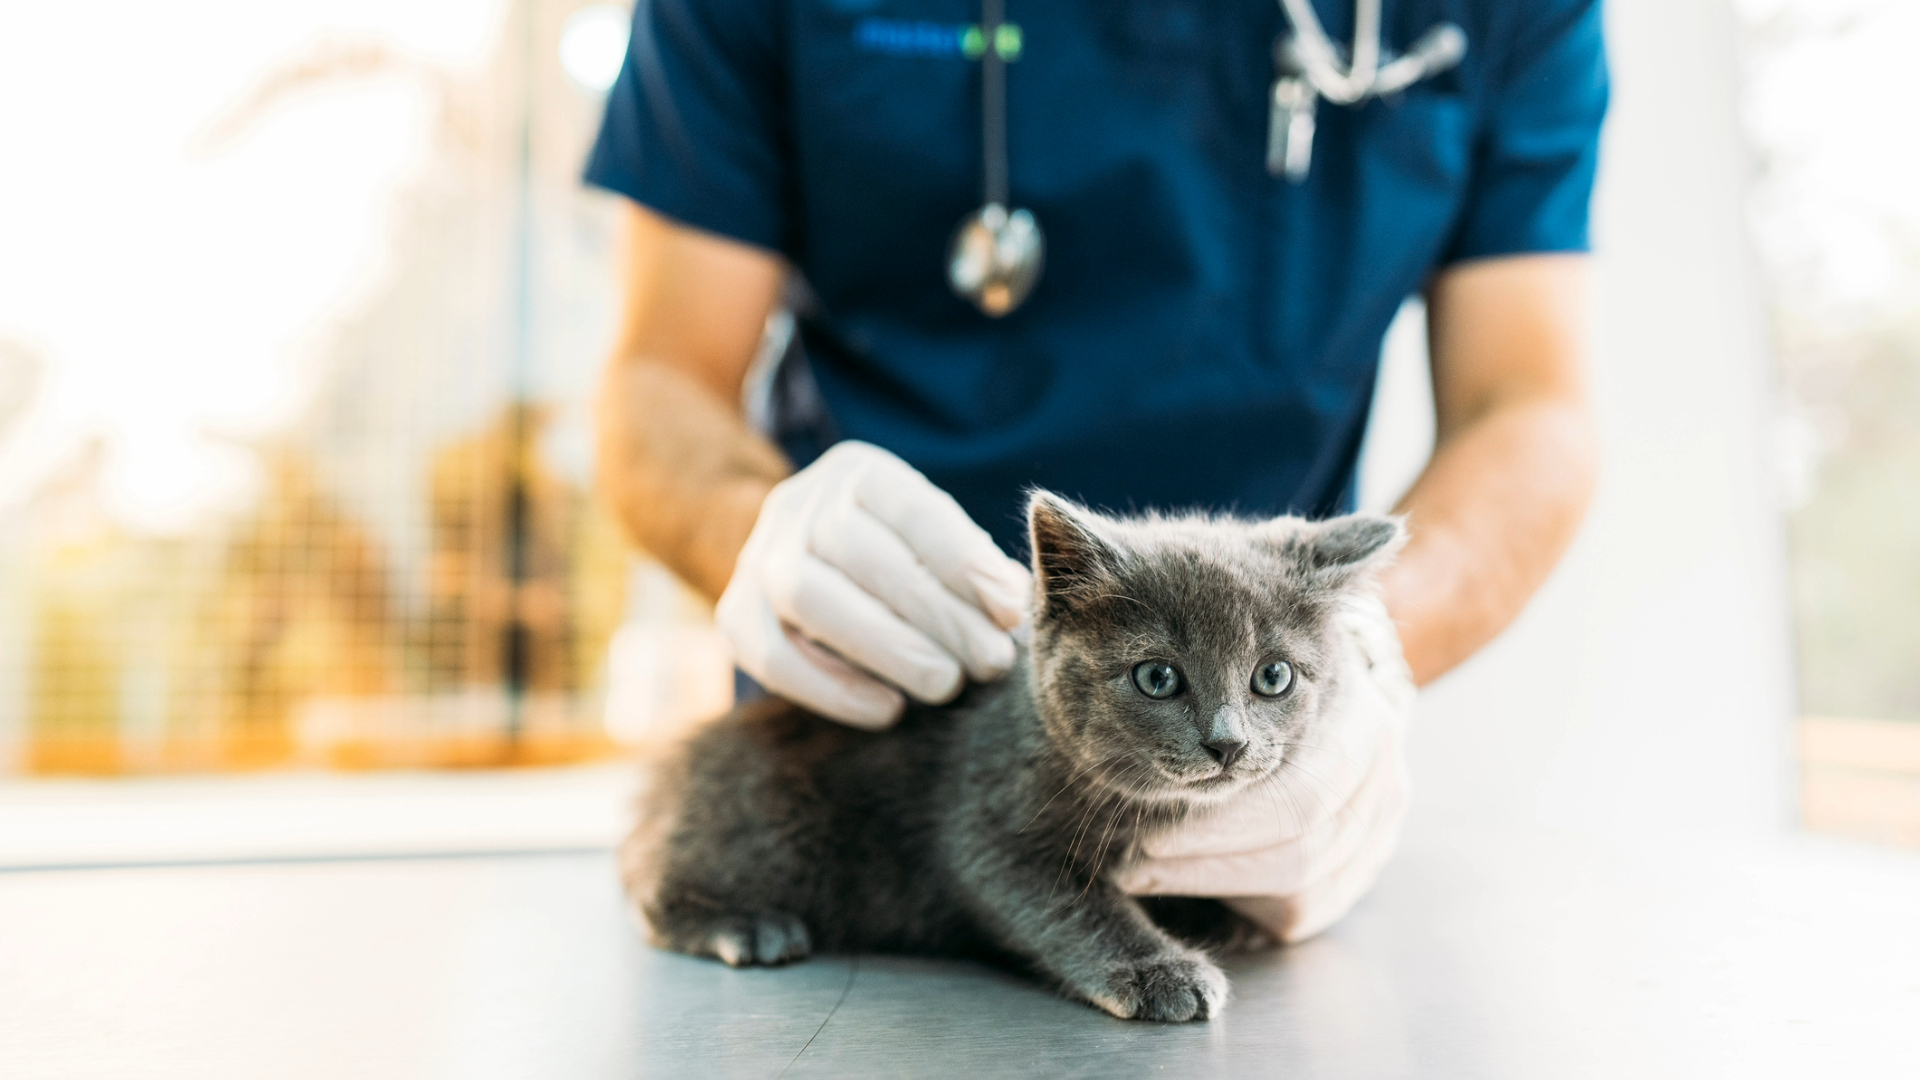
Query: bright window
x=1836, y=215
x=301, y=305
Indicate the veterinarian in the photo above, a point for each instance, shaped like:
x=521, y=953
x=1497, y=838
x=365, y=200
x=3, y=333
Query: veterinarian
x=1142, y=253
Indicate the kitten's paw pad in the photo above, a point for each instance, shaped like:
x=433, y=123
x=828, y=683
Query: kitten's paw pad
x=766, y=939
x=1175, y=988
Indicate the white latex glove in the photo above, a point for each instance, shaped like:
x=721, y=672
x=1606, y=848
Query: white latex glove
x=861, y=554
x=1296, y=853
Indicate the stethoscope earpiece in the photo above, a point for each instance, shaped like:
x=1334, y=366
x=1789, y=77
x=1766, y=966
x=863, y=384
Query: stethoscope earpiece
x=1310, y=67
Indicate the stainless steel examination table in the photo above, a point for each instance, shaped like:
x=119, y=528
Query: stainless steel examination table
x=1529, y=955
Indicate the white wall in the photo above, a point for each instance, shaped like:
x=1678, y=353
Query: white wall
x=1649, y=686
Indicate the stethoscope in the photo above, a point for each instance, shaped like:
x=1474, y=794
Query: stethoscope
x=997, y=253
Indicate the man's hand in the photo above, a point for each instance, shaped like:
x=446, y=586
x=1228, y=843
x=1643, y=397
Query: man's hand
x=1294, y=853
x=861, y=554
x=857, y=553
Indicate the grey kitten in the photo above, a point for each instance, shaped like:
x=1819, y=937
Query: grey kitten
x=1173, y=662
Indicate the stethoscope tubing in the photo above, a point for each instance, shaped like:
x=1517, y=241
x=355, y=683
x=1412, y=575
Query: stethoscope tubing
x=993, y=105
x=1319, y=59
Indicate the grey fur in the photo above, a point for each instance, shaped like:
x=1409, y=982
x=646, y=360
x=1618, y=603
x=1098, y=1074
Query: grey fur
x=992, y=826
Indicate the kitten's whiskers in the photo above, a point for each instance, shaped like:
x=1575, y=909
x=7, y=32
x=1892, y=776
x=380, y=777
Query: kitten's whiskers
x=1086, y=819
x=1063, y=787
x=1104, y=837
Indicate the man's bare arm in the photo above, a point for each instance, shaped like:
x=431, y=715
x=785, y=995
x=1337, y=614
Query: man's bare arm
x=678, y=463
x=1514, y=459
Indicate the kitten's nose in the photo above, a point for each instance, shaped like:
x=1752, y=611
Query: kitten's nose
x=1225, y=750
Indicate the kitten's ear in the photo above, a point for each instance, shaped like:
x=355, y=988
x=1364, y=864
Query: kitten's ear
x=1072, y=560
x=1344, y=550
x=1357, y=539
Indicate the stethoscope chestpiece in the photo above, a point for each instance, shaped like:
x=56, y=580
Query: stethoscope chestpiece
x=996, y=253
x=996, y=257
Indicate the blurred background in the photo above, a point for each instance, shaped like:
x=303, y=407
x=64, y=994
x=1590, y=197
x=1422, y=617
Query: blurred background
x=302, y=305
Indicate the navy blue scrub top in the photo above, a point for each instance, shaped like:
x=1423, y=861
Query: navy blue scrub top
x=1205, y=334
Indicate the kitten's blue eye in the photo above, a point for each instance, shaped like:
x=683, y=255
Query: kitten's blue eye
x=1272, y=680
x=1157, y=679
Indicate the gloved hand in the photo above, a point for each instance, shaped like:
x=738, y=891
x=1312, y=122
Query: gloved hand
x=861, y=554
x=1296, y=853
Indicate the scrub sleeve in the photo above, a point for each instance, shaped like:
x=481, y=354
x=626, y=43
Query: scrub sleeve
x=694, y=127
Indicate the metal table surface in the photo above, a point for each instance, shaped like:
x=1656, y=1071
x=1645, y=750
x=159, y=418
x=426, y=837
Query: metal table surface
x=1534, y=955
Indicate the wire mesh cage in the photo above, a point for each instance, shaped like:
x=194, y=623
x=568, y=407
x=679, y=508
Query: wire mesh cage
x=412, y=570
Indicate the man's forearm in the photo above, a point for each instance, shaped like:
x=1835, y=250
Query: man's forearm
x=1513, y=465
x=1490, y=516
x=682, y=470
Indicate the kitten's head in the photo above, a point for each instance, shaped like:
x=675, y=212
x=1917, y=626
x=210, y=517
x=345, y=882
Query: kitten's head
x=1178, y=658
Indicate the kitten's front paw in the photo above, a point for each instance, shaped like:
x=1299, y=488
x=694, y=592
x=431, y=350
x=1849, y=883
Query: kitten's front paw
x=1170, y=987
x=767, y=939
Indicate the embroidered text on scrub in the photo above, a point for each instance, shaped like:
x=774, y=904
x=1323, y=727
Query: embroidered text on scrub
x=960, y=41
